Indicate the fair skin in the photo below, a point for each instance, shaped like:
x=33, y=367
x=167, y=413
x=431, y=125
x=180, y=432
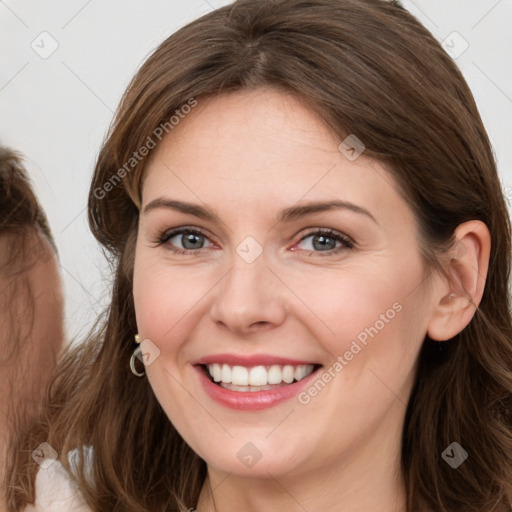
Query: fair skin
x=247, y=156
x=25, y=375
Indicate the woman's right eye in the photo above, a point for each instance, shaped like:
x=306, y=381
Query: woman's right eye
x=191, y=240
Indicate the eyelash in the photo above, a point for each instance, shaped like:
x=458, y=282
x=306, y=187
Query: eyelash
x=347, y=242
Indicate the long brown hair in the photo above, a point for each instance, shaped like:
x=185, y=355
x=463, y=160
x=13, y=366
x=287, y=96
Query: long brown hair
x=22, y=223
x=369, y=68
x=23, y=228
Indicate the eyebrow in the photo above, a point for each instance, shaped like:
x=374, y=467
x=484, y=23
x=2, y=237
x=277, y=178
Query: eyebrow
x=287, y=215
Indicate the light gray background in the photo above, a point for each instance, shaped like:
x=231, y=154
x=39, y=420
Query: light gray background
x=56, y=110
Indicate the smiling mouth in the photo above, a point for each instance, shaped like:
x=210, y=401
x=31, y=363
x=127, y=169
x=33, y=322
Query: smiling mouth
x=256, y=378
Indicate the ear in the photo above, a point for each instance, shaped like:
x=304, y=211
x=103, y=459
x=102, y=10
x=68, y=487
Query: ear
x=458, y=294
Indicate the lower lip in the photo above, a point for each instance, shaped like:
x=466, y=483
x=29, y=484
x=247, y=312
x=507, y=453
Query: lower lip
x=252, y=400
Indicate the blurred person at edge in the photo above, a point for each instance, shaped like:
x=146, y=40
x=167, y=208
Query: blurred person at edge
x=31, y=312
x=330, y=177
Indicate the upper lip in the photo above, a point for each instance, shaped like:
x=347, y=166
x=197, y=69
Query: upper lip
x=250, y=360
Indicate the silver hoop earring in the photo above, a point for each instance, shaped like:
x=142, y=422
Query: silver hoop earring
x=137, y=351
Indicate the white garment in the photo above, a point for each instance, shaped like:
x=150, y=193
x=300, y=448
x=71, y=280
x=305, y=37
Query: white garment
x=56, y=492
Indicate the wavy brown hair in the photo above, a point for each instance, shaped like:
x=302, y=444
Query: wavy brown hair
x=23, y=228
x=369, y=68
x=22, y=224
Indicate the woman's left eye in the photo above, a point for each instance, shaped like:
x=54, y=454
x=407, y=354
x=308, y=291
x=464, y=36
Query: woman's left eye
x=325, y=241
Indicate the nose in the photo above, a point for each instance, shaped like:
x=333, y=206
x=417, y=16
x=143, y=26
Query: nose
x=249, y=299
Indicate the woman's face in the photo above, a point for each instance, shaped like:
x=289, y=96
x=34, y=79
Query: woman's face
x=263, y=278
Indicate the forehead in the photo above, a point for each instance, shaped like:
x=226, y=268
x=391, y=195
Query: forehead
x=255, y=149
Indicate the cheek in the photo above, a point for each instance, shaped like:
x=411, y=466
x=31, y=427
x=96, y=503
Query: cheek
x=370, y=319
x=374, y=350
x=166, y=297
x=345, y=304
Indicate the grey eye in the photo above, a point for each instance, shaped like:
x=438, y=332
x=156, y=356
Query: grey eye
x=189, y=240
x=320, y=242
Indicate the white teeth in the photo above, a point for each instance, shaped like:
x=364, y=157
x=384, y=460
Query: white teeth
x=275, y=375
x=232, y=387
x=216, y=373
x=288, y=374
x=258, y=376
x=300, y=372
x=226, y=373
x=241, y=377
